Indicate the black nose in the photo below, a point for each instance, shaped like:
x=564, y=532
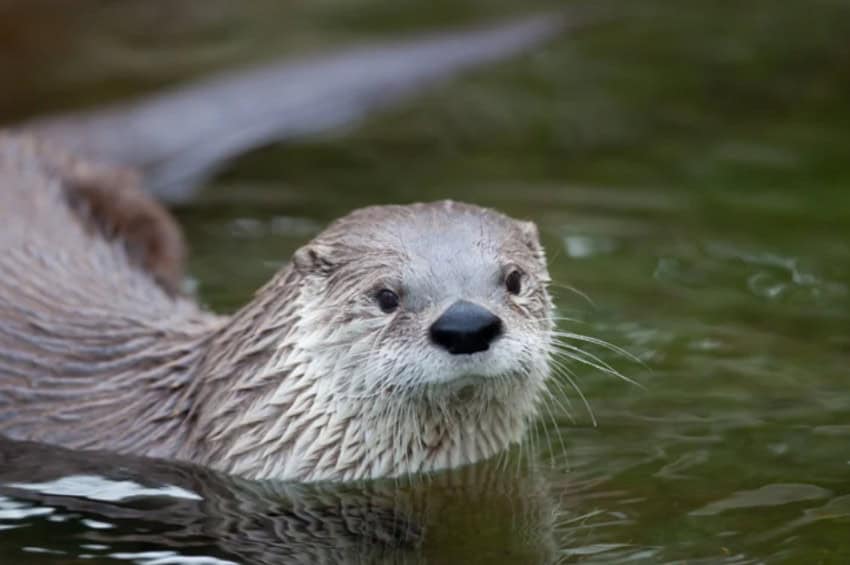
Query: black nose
x=466, y=328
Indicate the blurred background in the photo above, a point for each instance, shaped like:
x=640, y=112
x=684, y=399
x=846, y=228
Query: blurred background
x=688, y=165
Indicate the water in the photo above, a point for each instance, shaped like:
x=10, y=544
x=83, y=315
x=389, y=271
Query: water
x=688, y=170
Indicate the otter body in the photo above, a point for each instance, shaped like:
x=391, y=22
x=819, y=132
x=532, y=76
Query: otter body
x=401, y=339
x=82, y=315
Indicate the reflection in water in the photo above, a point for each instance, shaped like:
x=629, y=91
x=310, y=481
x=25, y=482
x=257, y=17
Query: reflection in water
x=143, y=510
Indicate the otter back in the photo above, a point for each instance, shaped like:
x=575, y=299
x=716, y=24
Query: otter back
x=90, y=339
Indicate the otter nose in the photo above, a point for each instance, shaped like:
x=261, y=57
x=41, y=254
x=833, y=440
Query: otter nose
x=466, y=328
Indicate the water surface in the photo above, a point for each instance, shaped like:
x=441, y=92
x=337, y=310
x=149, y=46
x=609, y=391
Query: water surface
x=688, y=168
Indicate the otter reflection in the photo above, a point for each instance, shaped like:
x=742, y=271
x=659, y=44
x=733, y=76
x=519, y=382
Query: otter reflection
x=118, y=506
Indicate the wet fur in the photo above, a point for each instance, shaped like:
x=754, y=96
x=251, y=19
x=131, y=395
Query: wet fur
x=309, y=381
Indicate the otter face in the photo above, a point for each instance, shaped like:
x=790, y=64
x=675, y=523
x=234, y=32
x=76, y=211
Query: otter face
x=431, y=295
x=421, y=341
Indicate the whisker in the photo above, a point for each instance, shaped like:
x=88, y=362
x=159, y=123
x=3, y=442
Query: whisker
x=575, y=291
x=568, y=376
x=591, y=360
x=556, y=428
x=568, y=409
x=601, y=343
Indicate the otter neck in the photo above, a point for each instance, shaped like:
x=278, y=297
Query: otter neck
x=271, y=401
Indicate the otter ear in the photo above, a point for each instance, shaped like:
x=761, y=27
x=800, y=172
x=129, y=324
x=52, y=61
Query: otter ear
x=314, y=259
x=530, y=235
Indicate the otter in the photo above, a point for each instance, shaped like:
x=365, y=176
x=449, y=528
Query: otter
x=401, y=339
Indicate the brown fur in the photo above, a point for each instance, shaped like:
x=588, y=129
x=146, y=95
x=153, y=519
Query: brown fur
x=98, y=352
x=111, y=200
x=94, y=345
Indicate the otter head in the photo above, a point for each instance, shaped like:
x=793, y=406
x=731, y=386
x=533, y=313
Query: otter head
x=419, y=340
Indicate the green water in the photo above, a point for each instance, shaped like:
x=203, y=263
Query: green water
x=688, y=166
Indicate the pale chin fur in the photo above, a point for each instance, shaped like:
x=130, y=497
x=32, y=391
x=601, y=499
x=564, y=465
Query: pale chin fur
x=455, y=371
x=363, y=414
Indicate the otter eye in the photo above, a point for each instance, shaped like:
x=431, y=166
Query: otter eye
x=513, y=282
x=387, y=300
